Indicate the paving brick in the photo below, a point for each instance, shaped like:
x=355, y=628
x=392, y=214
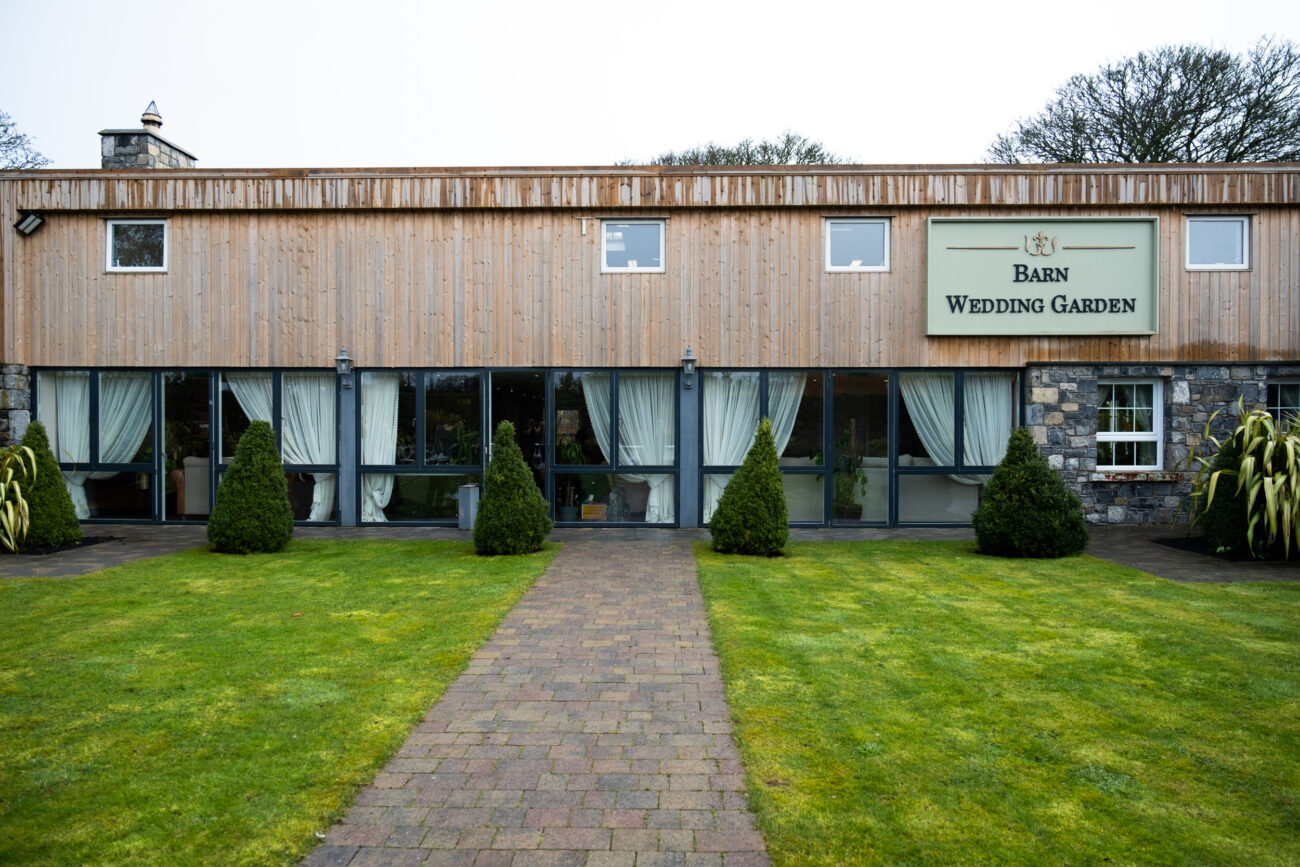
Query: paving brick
x=591, y=728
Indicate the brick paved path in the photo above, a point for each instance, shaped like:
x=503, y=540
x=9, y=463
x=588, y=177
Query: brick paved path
x=591, y=729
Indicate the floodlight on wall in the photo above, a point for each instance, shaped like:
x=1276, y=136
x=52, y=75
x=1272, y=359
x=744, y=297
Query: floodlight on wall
x=688, y=368
x=343, y=367
x=28, y=222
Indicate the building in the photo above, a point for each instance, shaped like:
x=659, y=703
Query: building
x=634, y=323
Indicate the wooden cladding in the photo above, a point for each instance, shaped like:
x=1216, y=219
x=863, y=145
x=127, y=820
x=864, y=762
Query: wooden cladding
x=515, y=286
x=660, y=187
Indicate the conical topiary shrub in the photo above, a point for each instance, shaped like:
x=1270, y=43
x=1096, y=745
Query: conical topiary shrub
x=751, y=516
x=52, y=518
x=1026, y=510
x=252, y=513
x=512, y=514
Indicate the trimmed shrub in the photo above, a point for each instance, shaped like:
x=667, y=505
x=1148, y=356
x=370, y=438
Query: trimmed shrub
x=53, y=520
x=252, y=513
x=1026, y=510
x=751, y=516
x=512, y=513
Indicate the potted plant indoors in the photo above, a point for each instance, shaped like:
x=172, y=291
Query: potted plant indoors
x=850, y=481
x=568, y=451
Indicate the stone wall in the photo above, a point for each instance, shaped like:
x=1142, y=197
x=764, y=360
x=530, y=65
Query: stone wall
x=15, y=402
x=1061, y=412
x=140, y=150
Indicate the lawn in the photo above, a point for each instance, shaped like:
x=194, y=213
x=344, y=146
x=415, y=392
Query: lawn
x=206, y=709
x=917, y=703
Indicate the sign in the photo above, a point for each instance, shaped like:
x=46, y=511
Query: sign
x=1042, y=276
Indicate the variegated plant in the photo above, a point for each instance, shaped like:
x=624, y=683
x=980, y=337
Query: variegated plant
x=14, y=462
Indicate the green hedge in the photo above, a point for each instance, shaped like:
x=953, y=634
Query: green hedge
x=751, y=516
x=52, y=518
x=252, y=513
x=512, y=513
x=1026, y=509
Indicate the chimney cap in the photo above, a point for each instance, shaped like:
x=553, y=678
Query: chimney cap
x=151, y=118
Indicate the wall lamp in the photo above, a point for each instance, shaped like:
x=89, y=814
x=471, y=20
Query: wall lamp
x=688, y=368
x=343, y=367
x=28, y=222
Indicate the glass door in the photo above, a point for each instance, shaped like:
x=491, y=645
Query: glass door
x=519, y=397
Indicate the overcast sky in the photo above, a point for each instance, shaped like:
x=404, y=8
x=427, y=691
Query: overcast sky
x=503, y=83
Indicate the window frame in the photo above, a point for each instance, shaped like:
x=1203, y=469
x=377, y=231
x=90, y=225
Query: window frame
x=1155, y=435
x=1241, y=219
x=1273, y=400
x=606, y=268
x=826, y=247
x=137, y=269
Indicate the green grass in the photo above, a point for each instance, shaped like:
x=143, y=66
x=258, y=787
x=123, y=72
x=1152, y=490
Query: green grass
x=917, y=703
x=208, y=709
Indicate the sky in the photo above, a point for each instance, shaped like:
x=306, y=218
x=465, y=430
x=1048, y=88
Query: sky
x=327, y=84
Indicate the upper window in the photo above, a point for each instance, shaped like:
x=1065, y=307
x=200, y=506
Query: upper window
x=632, y=245
x=1284, y=400
x=137, y=245
x=857, y=245
x=1218, y=243
x=1130, y=417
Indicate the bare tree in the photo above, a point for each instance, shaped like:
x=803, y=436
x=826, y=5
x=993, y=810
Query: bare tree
x=1183, y=103
x=789, y=150
x=16, y=150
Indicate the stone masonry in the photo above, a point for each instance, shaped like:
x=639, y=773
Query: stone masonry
x=15, y=402
x=1061, y=412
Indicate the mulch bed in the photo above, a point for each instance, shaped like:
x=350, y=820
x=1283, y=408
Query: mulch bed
x=54, y=549
x=1196, y=545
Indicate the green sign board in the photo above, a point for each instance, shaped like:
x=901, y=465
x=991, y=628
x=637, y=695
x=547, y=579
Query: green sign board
x=1042, y=276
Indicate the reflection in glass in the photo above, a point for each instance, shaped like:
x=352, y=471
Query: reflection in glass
x=451, y=419
x=860, y=481
x=600, y=497
x=576, y=441
x=423, y=498
x=187, y=428
x=937, y=498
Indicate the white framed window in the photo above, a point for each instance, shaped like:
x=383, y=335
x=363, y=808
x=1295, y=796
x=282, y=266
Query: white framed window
x=1130, y=425
x=1218, y=243
x=1284, y=400
x=632, y=246
x=860, y=244
x=137, y=245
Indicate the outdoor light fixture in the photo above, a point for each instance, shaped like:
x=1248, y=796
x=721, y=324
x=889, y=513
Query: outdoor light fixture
x=343, y=366
x=688, y=368
x=28, y=222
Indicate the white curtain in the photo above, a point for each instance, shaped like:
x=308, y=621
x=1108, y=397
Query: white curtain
x=378, y=440
x=65, y=411
x=989, y=409
x=646, y=436
x=646, y=431
x=125, y=415
x=990, y=405
x=310, y=433
x=731, y=420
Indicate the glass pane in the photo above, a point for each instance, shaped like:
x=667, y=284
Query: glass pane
x=633, y=245
x=647, y=419
x=857, y=243
x=805, y=496
x=595, y=497
x=309, y=433
x=387, y=417
x=800, y=395
x=64, y=409
x=138, y=245
x=1145, y=454
x=405, y=450
x=714, y=484
x=242, y=396
x=420, y=498
x=451, y=418
x=1143, y=419
x=519, y=396
x=1215, y=242
x=927, y=422
x=860, y=481
x=122, y=495
x=990, y=416
x=186, y=427
x=125, y=418
x=937, y=499
x=730, y=416
x=312, y=495
x=577, y=396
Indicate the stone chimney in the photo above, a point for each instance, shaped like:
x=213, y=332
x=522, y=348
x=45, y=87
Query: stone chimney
x=143, y=148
